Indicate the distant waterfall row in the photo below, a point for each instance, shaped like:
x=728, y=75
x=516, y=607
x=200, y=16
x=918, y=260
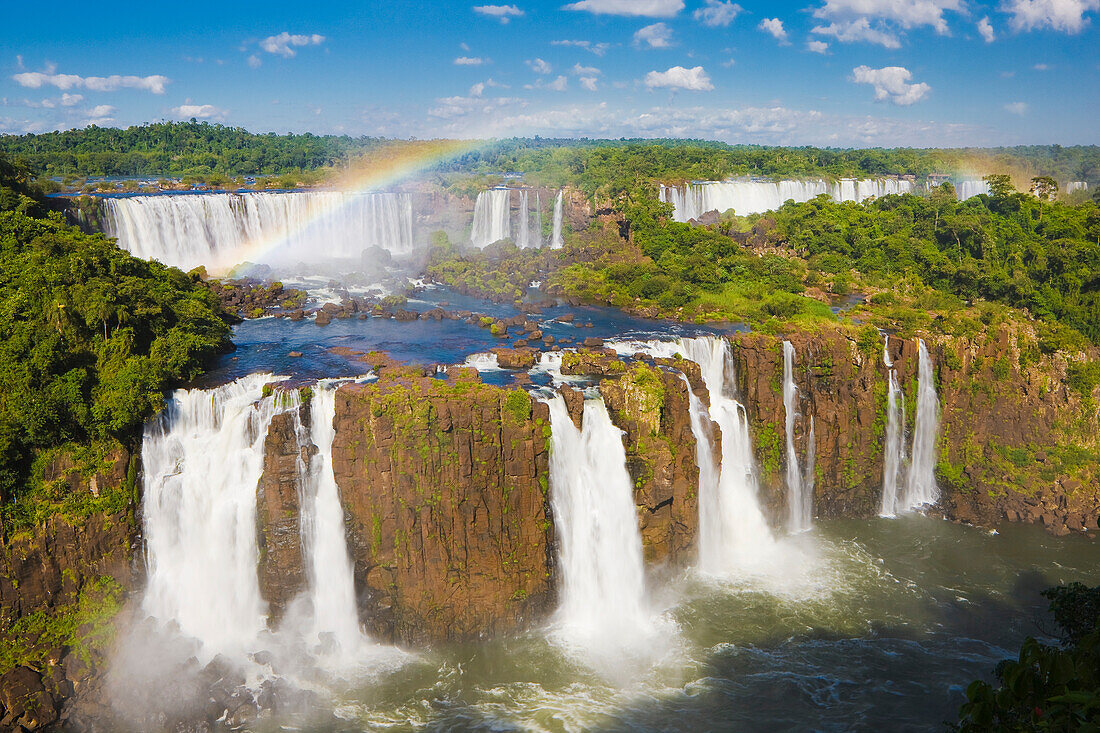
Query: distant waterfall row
x=493, y=219
x=692, y=200
x=203, y=459
x=224, y=229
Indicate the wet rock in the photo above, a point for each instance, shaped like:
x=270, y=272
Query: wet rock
x=322, y=319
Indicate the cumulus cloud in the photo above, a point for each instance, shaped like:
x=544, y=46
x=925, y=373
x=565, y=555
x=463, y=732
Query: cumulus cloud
x=774, y=26
x=70, y=100
x=597, y=48
x=694, y=79
x=1058, y=15
x=817, y=46
x=200, y=111
x=284, y=43
x=907, y=13
x=558, y=85
x=588, y=82
x=858, y=30
x=539, y=66
x=641, y=8
x=586, y=70
x=254, y=61
x=1017, y=108
x=985, y=28
x=64, y=82
x=658, y=35
x=717, y=14
x=100, y=114
x=469, y=61
x=891, y=84
x=503, y=13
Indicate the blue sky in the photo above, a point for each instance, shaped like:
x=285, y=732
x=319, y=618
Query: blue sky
x=826, y=72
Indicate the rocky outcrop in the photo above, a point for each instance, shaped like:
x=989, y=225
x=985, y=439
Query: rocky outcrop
x=278, y=506
x=651, y=406
x=444, y=485
x=1016, y=441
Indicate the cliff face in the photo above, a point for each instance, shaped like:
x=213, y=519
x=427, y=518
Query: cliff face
x=278, y=507
x=444, y=484
x=1016, y=441
x=651, y=406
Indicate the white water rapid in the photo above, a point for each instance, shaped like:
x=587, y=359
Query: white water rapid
x=556, y=241
x=203, y=458
x=492, y=217
x=799, y=504
x=753, y=197
x=602, y=573
x=921, y=488
x=220, y=230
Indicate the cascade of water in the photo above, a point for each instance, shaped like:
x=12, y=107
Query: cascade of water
x=603, y=584
x=492, y=222
x=921, y=488
x=537, y=240
x=733, y=533
x=523, y=235
x=752, y=197
x=556, y=240
x=224, y=229
x=799, y=506
x=203, y=458
x=894, y=453
x=324, y=543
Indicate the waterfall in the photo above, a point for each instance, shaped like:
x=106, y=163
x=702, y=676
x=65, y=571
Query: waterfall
x=808, y=477
x=894, y=454
x=556, y=241
x=491, y=217
x=220, y=230
x=324, y=544
x=538, y=219
x=921, y=487
x=799, y=505
x=753, y=197
x=523, y=236
x=202, y=458
x=600, y=548
x=733, y=533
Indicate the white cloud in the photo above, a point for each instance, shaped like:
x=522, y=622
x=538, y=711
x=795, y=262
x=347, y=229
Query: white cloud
x=694, y=79
x=774, y=26
x=469, y=61
x=38, y=79
x=658, y=35
x=200, y=111
x=478, y=89
x=1041, y=67
x=858, y=30
x=642, y=8
x=817, y=46
x=891, y=84
x=588, y=82
x=907, y=13
x=586, y=70
x=1058, y=15
x=558, y=85
x=69, y=100
x=503, y=13
x=985, y=28
x=254, y=61
x=101, y=114
x=539, y=66
x=717, y=13
x=597, y=48
x=283, y=43
x=460, y=107
x=1017, y=108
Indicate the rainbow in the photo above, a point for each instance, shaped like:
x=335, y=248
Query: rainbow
x=394, y=162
